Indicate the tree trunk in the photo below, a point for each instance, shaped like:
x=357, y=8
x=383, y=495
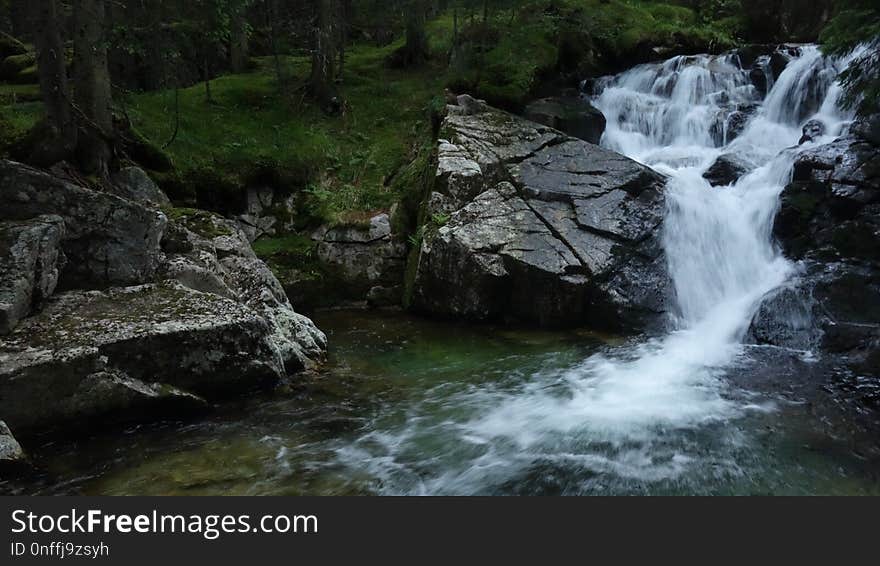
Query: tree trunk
x=238, y=41
x=61, y=138
x=206, y=70
x=18, y=18
x=93, y=95
x=271, y=19
x=416, y=48
x=321, y=82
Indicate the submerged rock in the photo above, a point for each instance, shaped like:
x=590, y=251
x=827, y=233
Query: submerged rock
x=542, y=227
x=30, y=258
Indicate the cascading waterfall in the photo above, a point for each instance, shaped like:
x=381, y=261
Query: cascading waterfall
x=623, y=412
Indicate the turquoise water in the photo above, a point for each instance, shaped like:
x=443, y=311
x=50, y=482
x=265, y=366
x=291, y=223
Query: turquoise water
x=408, y=406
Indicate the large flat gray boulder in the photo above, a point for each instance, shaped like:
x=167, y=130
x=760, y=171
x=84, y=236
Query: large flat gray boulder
x=89, y=353
x=108, y=241
x=541, y=227
x=30, y=258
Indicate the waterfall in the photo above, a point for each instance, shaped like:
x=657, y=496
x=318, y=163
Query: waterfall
x=717, y=240
x=632, y=411
x=679, y=116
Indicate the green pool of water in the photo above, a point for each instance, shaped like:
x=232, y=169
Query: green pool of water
x=409, y=406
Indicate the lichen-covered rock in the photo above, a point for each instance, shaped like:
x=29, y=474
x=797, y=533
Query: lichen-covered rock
x=94, y=352
x=544, y=228
x=211, y=254
x=266, y=211
x=364, y=257
x=11, y=453
x=30, y=258
x=108, y=240
x=134, y=184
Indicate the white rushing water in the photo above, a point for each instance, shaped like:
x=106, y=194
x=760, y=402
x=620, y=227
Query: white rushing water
x=616, y=412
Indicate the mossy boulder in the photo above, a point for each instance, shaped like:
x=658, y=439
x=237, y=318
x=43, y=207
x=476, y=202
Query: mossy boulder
x=10, y=46
x=11, y=66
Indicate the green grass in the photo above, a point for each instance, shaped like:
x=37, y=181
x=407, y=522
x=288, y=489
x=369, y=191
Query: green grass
x=342, y=163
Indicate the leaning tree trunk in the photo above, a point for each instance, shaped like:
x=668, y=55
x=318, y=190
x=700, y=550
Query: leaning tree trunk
x=322, y=80
x=93, y=95
x=61, y=137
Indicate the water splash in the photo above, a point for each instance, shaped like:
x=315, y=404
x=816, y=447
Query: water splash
x=636, y=411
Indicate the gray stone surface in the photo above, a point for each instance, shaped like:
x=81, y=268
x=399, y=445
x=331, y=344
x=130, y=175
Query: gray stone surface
x=11, y=453
x=134, y=184
x=30, y=258
x=93, y=352
x=365, y=258
x=108, y=240
x=210, y=254
x=543, y=228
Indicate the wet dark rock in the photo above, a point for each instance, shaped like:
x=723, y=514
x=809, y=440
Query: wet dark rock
x=542, y=227
x=779, y=60
x=735, y=125
x=787, y=319
x=867, y=128
x=829, y=218
x=812, y=131
x=574, y=116
x=30, y=259
x=108, y=240
x=727, y=169
x=831, y=203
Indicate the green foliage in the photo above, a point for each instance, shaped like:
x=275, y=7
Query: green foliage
x=504, y=60
x=252, y=134
x=857, y=24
